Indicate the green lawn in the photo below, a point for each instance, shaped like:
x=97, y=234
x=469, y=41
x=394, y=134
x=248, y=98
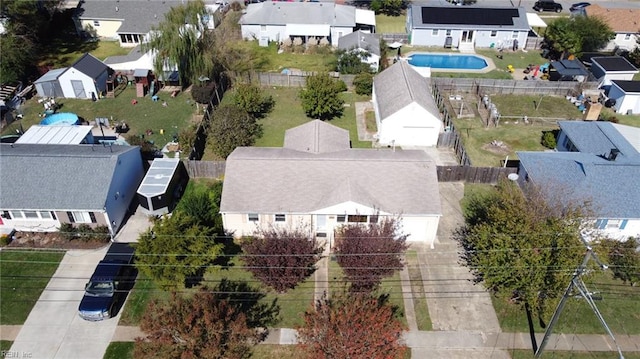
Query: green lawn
x=417, y=292
x=145, y=115
x=620, y=308
x=518, y=59
x=533, y=106
x=5, y=345
x=119, y=350
x=142, y=293
x=269, y=60
x=288, y=113
x=386, y=24
x=24, y=275
x=65, y=53
x=528, y=354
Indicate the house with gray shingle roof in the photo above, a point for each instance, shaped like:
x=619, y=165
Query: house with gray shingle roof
x=363, y=42
x=130, y=22
x=406, y=113
x=43, y=186
x=597, y=163
x=316, y=180
x=277, y=21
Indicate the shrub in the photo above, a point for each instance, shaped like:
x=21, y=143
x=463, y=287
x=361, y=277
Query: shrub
x=549, y=139
x=363, y=83
x=341, y=86
x=101, y=234
x=202, y=94
x=84, y=232
x=68, y=231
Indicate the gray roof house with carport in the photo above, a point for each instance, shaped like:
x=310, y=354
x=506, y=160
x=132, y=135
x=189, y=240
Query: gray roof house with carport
x=43, y=186
x=597, y=163
x=467, y=27
x=317, y=181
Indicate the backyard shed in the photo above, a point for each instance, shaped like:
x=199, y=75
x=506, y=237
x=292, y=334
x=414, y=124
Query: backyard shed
x=626, y=96
x=609, y=68
x=86, y=78
x=568, y=70
x=162, y=186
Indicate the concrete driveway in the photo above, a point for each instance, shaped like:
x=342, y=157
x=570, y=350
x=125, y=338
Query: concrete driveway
x=53, y=328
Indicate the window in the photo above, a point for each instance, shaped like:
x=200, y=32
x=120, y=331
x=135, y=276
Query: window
x=280, y=218
x=494, y=33
x=448, y=32
x=30, y=214
x=613, y=223
x=253, y=217
x=263, y=27
x=514, y=35
x=81, y=217
x=373, y=219
x=16, y=214
x=627, y=36
x=46, y=215
x=356, y=218
x=96, y=23
x=434, y=32
x=341, y=218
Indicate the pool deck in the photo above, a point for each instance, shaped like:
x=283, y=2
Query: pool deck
x=490, y=65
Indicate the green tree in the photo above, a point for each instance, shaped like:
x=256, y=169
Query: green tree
x=351, y=61
x=368, y=253
x=176, y=251
x=253, y=100
x=623, y=259
x=352, y=326
x=363, y=83
x=280, y=257
x=182, y=40
x=388, y=7
x=516, y=243
x=223, y=322
x=573, y=36
x=201, y=202
x=231, y=127
x=17, y=52
x=321, y=97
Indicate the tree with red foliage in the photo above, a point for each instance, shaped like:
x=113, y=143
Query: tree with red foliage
x=222, y=323
x=368, y=253
x=280, y=257
x=352, y=326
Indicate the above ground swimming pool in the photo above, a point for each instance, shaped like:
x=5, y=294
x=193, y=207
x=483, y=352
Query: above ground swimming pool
x=62, y=118
x=448, y=61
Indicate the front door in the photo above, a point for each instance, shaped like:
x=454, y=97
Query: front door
x=78, y=89
x=467, y=36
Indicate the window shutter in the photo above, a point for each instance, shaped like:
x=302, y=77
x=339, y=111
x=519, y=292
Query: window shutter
x=93, y=217
x=624, y=223
x=53, y=215
x=70, y=215
x=603, y=223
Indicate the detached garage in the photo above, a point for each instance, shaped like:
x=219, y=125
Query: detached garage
x=162, y=186
x=85, y=79
x=406, y=113
x=626, y=96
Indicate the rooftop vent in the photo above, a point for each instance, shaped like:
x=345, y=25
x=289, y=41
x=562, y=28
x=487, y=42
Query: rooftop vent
x=613, y=154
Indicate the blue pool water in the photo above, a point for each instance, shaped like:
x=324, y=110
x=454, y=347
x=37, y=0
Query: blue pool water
x=62, y=118
x=448, y=61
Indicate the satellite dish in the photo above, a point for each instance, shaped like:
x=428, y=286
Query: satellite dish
x=513, y=176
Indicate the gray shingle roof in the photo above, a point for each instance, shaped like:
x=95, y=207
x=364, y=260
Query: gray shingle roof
x=282, y=13
x=133, y=55
x=317, y=137
x=90, y=66
x=279, y=180
x=138, y=16
x=360, y=40
x=599, y=137
x=57, y=177
x=611, y=187
x=400, y=85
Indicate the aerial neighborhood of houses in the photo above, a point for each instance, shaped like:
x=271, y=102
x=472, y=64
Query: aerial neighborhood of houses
x=435, y=85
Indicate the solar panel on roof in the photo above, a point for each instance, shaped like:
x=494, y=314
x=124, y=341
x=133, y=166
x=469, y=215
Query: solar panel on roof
x=468, y=16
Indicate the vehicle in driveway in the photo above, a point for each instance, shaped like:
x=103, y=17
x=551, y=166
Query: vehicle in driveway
x=579, y=6
x=547, y=5
x=109, y=284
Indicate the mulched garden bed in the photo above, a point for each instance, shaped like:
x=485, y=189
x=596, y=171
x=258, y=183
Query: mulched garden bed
x=52, y=240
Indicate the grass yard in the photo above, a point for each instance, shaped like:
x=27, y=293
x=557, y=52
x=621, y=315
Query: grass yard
x=619, y=307
x=417, y=292
x=370, y=121
x=24, y=275
x=5, y=345
x=386, y=24
x=528, y=354
x=534, y=106
x=269, y=60
x=119, y=350
x=272, y=351
x=143, y=292
x=518, y=59
x=145, y=115
x=288, y=113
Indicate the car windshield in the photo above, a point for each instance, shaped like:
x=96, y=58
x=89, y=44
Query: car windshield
x=100, y=288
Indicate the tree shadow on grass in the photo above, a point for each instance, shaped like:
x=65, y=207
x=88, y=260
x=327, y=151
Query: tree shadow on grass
x=247, y=299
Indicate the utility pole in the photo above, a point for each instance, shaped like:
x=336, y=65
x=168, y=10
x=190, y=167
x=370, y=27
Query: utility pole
x=577, y=283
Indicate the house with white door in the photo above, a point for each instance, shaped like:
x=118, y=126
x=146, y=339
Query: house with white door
x=316, y=181
x=467, y=27
x=596, y=163
x=406, y=112
x=85, y=79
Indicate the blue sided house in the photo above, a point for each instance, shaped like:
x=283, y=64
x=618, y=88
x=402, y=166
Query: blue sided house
x=597, y=163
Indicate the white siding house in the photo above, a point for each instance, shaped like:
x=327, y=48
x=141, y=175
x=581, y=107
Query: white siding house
x=363, y=42
x=596, y=163
x=467, y=27
x=406, y=113
x=627, y=96
x=316, y=181
x=85, y=77
x=275, y=21
x=610, y=68
x=623, y=22
x=43, y=186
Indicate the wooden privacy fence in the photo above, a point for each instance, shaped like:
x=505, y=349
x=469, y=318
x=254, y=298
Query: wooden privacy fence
x=292, y=79
x=507, y=87
x=205, y=169
x=473, y=174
